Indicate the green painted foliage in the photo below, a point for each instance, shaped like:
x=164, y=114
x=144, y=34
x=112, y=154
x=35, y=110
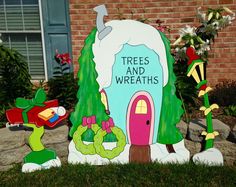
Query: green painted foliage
x=89, y=97
x=171, y=111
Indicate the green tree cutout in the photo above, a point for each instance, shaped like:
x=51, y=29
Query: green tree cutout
x=171, y=110
x=89, y=97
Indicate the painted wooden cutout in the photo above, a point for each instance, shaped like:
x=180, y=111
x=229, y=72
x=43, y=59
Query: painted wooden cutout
x=127, y=109
x=35, y=114
x=210, y=155
x=140, y=119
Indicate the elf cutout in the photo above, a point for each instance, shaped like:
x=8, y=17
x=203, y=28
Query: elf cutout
x=35, y=114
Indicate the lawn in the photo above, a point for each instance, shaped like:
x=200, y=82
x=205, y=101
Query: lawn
x=123, y=175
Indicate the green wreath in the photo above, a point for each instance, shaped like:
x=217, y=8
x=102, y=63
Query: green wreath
x=110, y=154
x=79, y=145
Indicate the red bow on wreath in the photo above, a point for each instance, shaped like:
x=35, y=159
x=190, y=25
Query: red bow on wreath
x=106, y=125
x=88, y=121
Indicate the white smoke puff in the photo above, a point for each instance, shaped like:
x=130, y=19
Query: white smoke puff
x=126, y=32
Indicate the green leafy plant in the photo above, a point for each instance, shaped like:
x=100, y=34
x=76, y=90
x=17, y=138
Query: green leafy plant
x=185, y=86
x=230, y=110
x=196, y=44
x=200, y=38
x=63, y=86
x=2, y=117
x=14, y=79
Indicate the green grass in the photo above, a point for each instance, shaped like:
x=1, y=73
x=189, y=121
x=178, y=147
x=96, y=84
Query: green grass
x=123, y=175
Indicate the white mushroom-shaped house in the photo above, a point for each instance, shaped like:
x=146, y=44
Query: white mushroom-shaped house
x=133, y=71
x=128, y=67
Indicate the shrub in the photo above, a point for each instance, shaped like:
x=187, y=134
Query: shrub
x=224, y=93
x=185, y=86
x=63, y=86
x=14, y=78
x=200, y=38
x=230, y=110
x=64, y=89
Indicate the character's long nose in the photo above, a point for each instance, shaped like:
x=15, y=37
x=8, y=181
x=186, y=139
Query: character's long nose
x=103, y=31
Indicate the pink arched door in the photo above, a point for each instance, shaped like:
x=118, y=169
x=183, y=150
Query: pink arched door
x=140, y=119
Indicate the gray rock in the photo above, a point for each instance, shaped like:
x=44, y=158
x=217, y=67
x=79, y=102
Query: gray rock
x=228, y=150
x=196, y=127
x=13, y=156
x=183, y=127
x=14, y=148
x=55, y=139
x=11, y=139
x=6, y=168
x=61, y=150
x=193, y=147
x=57, y=135
x=52, y=136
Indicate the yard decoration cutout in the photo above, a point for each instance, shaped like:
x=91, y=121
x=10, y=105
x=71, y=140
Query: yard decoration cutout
x=127, y=109
x=35, y=114
x=196, y=42
x=210, y=155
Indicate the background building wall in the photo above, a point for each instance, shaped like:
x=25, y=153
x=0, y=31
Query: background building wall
x=175, y=14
